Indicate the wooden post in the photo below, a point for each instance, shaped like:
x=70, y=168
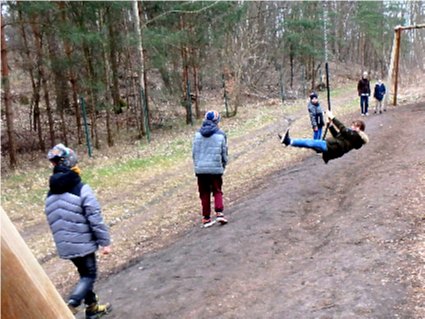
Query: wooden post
x=26, y=290
x=396, y=62
x=395, y=56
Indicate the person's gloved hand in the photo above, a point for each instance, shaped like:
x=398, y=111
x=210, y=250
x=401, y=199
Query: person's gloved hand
x=330, y=115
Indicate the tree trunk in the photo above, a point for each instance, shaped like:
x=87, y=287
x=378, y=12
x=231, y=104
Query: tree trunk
x=93, y=96
x=141, y=71
x=35, y=87
x=42, y=77
x=196, y=87
x=115, y=92
x=7, y=102
x=185, y=74
x=59, y=80
x=108, y=93
x=72, y=78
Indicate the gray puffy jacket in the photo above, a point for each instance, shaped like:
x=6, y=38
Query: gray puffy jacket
x=74, y=215
x=209, y=149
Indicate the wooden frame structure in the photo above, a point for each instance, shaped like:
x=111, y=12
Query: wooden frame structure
x=395, y=57
x=26, y=290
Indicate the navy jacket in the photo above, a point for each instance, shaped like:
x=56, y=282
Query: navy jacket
x=379, y=91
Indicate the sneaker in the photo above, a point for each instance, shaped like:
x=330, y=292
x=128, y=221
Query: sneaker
x=362, y=114
x=367, y=114
x=285, y=139
x=207, y=222
x=95, y=310
x=72, y=306
x=73, y=309
x=221, y=219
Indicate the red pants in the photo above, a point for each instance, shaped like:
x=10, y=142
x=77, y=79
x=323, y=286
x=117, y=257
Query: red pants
x=208, y=184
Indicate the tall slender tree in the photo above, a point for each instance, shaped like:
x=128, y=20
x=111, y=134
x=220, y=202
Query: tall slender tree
x=7, y=99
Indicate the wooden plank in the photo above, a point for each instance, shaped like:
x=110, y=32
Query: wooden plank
x=26, y=290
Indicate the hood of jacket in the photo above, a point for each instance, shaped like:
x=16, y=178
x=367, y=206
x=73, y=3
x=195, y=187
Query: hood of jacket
x=208, y=128
x=63, y=180
x=364, y=137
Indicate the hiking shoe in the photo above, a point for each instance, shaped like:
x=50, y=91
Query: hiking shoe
x=207, y=222
x=95, y=310
x=221, y=219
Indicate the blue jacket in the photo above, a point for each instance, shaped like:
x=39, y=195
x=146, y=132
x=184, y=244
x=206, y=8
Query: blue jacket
x=209, y=149
x=74, y=215
x=379, y=91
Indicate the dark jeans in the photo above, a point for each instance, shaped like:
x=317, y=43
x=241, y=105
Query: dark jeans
x=364, y=104
x=317, y=135
x=84, y=290
x=207, y=184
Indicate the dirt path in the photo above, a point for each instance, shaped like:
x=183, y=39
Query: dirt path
x=314, y=241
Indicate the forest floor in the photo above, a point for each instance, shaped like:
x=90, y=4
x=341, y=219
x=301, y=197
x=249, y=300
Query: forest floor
x=343, y=240
x=304, y=239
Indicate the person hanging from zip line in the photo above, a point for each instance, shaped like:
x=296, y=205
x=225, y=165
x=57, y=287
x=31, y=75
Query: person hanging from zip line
x=342, y=141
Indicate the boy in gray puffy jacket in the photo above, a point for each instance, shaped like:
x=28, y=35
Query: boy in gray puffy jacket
x=75, y=219
x=209, y=153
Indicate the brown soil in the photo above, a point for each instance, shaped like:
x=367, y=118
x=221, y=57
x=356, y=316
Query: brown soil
x=342, y=240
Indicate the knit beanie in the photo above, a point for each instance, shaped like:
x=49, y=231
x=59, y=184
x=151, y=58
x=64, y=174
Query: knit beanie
x=213, y=116
x=60, y=154
x=313, y=95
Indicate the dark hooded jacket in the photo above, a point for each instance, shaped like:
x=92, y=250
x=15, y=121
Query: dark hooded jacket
x=343, y=141
x=363, y=87
x=74, y=215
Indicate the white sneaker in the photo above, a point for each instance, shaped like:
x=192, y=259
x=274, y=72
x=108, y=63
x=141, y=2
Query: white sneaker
x=221, y=219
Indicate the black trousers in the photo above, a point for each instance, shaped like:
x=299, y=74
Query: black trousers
x=87, y=269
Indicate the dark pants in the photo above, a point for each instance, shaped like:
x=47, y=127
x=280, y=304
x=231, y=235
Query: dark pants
x=207, y=184
x=364, y=104
x=84, y=290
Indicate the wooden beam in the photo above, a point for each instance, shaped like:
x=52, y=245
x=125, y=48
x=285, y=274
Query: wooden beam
x=395, y=56
x=409, y=27
x=396, y=62
x=26, y=290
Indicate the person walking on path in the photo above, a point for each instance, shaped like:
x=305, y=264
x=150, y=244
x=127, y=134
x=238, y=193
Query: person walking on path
x=209, y=153
x=75, y=219
x=363, y=89
x=379, y=93
x=342, y=141
x=316, y=116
